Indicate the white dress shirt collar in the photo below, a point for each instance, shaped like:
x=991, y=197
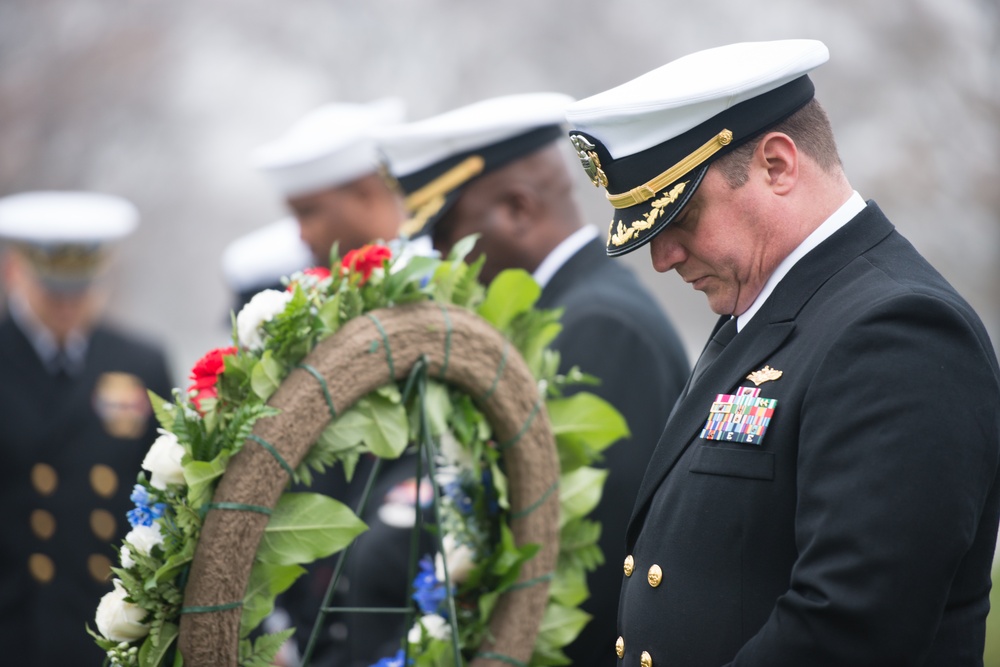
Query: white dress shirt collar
x=562, y=254
x=854, y=205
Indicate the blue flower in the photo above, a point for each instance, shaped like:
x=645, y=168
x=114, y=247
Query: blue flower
x=462, y=500
x=138, y=517
x=140, y=496
x=144, y=513
x=394, y=661
x=428, y=592
x=492, y=506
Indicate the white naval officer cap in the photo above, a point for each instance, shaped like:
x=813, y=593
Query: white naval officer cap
x=259, y=259
x=328, y=147
x=65, y=235
x=435, y=158
x=650, y=141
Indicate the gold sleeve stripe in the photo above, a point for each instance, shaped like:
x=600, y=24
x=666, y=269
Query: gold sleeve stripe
x=648, y=190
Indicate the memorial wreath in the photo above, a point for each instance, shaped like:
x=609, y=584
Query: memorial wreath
x=385, y=352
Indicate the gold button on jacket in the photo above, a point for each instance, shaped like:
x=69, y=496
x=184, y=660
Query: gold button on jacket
x=620, y=647
x=646, y=660
x=655, y=576
x=629, y=565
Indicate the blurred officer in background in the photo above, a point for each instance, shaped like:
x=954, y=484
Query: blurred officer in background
x=75, y=422
x=497, y=168
x=328, y=169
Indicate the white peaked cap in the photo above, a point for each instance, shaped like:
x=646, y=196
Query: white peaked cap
x=650, y=141
x=415, y=146
x=66, y=218
x=672, y=99
x=328, y=147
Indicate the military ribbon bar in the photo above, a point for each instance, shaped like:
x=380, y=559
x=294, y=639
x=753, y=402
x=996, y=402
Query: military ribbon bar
x=740, y=417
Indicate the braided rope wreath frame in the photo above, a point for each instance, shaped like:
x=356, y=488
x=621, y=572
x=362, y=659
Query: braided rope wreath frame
x=366, y=353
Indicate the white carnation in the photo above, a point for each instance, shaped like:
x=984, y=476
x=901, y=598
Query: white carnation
x=461, y=560
x=144, y=538
x=261, y=308
x=434, y=625
x=163, y=461
x=126, y=558
x=118, y=620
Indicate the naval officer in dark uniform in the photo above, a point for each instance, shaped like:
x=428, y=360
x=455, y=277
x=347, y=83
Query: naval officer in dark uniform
x=75, y=423
x=825, y=493
x=496, y=168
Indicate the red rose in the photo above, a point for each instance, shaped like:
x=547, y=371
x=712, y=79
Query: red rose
x=206, y=373
x=316, y=273
x=366, y=259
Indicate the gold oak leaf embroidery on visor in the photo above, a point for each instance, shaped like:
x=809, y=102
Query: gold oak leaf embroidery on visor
x=624, y=234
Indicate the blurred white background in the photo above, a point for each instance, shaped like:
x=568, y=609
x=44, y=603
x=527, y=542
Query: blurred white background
x=161, y=102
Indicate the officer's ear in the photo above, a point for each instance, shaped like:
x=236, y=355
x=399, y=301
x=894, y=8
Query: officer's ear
x=777, y=158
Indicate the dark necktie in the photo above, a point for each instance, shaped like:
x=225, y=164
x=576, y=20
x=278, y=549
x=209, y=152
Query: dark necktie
x=714, y=348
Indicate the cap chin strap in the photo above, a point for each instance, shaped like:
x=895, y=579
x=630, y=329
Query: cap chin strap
x=648, y=190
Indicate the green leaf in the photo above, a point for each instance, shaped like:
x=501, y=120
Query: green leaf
x=416, y=269
x=200, y=477
x=152, y=656
x=560, y=626
x=387, y=431
x=264, y=649
x=437, y=653
x=163, y=410
x=511, y=293
x=531, y=331
x=173, y=566
x=377, y=420
x=589, y=418
x=266, y=582
x=438, y=406
x=468, y=292
x=578, y=547
x=584, y=425
x=307, y=526
x=329, y=314
x=569, y=586
x=266, y=376
x=349, y=428
x=580, y=492
x=461, y=250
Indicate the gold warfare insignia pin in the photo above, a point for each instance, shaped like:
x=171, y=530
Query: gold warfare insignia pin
x=766, y=374
x=588, y=158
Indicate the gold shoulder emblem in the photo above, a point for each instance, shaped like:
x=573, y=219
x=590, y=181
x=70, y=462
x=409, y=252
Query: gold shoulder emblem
x=766, y=374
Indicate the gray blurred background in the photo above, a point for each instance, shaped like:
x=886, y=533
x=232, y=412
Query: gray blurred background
x=161, y=102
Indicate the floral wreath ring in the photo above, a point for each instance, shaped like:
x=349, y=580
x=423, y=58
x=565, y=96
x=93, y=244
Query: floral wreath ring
x=459, y=348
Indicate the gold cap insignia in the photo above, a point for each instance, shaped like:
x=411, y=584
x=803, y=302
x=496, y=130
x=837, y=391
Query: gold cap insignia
x=766, y=374
x=588, y=158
